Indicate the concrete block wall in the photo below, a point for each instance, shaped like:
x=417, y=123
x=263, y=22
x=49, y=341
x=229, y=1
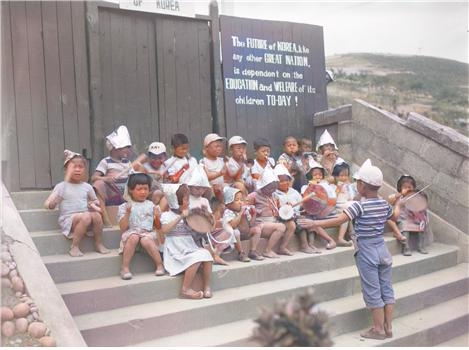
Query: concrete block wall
x=432, y=153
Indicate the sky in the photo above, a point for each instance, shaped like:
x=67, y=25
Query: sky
x=405, y=27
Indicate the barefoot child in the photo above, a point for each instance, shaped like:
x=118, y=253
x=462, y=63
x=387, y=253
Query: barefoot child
x=237, y=172
x=266, y=223
x=262, y=161
x=136, y=223
x=345, y=195
x=214, y=164
x=372, y=257
x=292, y=160
x=78, y=205
x=181, y=254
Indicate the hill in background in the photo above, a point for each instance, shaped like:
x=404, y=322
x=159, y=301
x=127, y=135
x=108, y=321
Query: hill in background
x=434, y=87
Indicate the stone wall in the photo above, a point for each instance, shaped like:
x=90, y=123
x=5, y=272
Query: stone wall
x=431, y=153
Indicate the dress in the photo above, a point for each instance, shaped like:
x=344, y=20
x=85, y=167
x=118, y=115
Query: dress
x=140, y=221
x=180, y=250
x=75, y=199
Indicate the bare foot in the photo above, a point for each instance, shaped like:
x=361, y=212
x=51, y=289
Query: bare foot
x=218, y=260
x=285, y=251
x=75, y=251
x=314, y=248
x=191, y=294
x=159, y=271
x=270, y=254
x=331, y=245
x=100, y=248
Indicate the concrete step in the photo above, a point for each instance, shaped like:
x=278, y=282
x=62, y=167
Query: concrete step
x=64, y=268
x=29, y=199
x=418, y=293
x=231, y=304
x=428, y=327
x=461, y=341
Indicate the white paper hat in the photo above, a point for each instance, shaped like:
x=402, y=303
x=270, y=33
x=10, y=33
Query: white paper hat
x=156, y=148
x=313, y=164
x=325, y=139
x=229, y=194
x=281, y=169
x=119, y=138
x=365, y=164
x=268, y=176
x=170, y=193
x=197, y=177
x=69, y=155
x=369, y=174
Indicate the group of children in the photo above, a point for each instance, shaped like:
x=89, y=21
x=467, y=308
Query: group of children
x=240, y=199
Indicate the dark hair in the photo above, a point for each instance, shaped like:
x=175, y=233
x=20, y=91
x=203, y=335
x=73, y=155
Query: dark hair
x=178, y=140
x=290, y=138
x=339, y=167
x=403, y=179
x=215, y=204
x=181, y=192
x=138, y=179
x=258, y=143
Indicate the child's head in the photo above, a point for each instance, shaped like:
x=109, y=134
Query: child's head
x=369, y=179
x=237, y=146
x=290, y=145
x=306, y=146
x=75, y=167
x=217, y=206
x=233, y=198
x=341, y=172
x=197, y=182
x=138, y=186
x=262, y=148
x=284, y=177
x=156, y=154
x=180, y=144
x=326, y=143
x=118, y=143
x=213, y=145
x=316, y=170
x=405, y=184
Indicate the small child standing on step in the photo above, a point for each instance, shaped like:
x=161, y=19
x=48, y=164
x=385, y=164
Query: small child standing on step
x=78, y=205
x=136, y=223
x=372, y=257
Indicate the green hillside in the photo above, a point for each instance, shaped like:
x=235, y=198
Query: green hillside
x=434, y=87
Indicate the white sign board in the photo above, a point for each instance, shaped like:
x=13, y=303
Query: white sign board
x=167, y=7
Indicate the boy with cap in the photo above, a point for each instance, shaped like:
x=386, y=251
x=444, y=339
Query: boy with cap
x=213, y=163
x=237, y=173
x=373, y=260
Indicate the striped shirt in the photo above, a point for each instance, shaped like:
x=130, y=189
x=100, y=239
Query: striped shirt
x=369, y=217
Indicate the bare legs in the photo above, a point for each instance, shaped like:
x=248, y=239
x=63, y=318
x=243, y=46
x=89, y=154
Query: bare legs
x=271, y=230
x=129, y=250
x=186, y=289
x=80, y=225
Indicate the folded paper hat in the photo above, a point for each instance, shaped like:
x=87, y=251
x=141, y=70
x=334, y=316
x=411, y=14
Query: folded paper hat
x=170, y=193
x=281, y=169
x=157, y=148
x=69, y=155
x=325, y=139
x=211, y=138
x=236, y=140
x=313, y=164
x=369, y=174
x=197, y=177
x=268, y=176
x=119, y=138
x=229, y=194
x=365, y=163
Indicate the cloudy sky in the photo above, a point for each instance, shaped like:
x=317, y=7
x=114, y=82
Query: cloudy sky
x=409, y=27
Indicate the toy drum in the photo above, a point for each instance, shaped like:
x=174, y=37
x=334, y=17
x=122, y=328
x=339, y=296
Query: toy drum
x=416, y=202
x=286, y=212
x=199, y=222
x=321, y=204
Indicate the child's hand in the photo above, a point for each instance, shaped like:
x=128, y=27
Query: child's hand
x=94, y=207
x=128, y=208
x=52, y=201
x=109, y=179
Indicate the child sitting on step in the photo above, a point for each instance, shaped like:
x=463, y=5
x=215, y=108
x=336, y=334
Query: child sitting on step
x=292, y=160
x=181, y=254
x=372, y=257
x=181, y=161
x=262, y=161
x=345, y=194
x=214, y=163
x=410, y=220
x=79, y=208
x=136, y=220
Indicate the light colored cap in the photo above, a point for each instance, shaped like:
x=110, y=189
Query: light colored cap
x=197, y=177
x=211, y=138
x=281, y=169
x=236, y=140
x=370, y=174
x=157, y=148
x=325, y=139
x=69, y=155
x=170, y=193
x=119, y=138
x=229, y=194
x=268, y=176
x=313, y=164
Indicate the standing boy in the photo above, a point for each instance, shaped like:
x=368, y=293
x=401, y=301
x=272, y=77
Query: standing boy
x=373, y=260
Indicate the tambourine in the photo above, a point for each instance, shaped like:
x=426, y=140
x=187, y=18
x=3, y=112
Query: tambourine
x=286, y=212
x=199, y=222
x=321, y=204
